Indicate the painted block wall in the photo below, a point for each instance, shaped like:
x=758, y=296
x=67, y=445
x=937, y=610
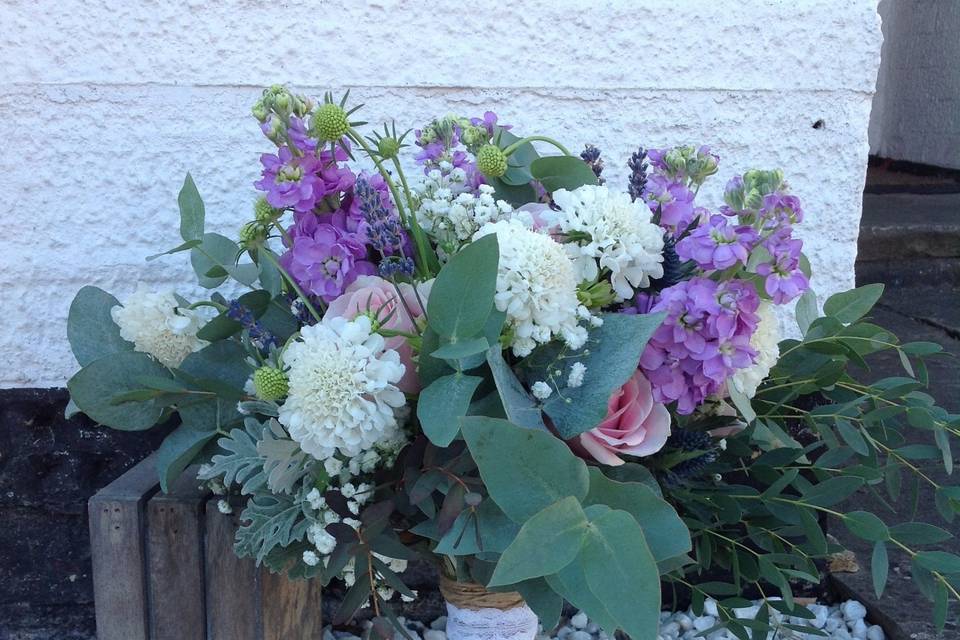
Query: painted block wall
x=105, y=105
x=916, y=113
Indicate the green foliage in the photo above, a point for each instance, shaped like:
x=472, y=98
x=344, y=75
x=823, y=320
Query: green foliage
x=90, y=328
x=850, y=306
x=179, y=449
x=240, y=463
x=525, y=471
x=610, y=355
x=191, y=211
x=454, y=314
x=96, y=387
x=267, y=522
x=443, y=403
x=562, y=172
x=546, y=543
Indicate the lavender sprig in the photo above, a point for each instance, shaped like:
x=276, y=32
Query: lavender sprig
x=638, y=174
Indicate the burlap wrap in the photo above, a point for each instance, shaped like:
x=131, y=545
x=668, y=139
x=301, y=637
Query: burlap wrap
x=469, y=595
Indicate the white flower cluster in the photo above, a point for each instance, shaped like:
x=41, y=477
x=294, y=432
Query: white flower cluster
x=618, y=235
x=451, y=213
x=343, y=395
x=156, y=325
x=766, y=342
x=536, y=288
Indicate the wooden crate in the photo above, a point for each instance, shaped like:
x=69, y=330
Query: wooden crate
x=164, y=569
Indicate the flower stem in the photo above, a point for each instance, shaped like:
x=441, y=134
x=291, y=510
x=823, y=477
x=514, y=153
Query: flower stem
x=516, y=145
x=303, y=297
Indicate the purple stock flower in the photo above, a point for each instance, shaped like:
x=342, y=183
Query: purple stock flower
x=674, y=200
x=299, y=136
x=704, y=339
x=783, y=279
x=325, y=259
x=489, y=121
x=290, y=181
x=780, y=209
x=717, y=245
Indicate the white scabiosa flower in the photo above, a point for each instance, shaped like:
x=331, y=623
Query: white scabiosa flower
x=617, y=234
x=766, y=342
x=536, y=287
x=342, y=388
x=156, y=325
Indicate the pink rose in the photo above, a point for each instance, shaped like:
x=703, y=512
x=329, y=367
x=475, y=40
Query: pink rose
x=635, y=425
x=377, y=296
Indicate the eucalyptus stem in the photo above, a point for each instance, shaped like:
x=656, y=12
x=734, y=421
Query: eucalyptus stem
x=208, y=303
x=513, y=147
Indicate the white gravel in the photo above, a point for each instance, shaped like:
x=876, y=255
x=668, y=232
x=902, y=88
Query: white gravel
x=845, y=621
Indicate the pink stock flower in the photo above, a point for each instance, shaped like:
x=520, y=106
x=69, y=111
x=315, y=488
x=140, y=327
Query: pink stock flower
x=635, y=425
x=374, y=296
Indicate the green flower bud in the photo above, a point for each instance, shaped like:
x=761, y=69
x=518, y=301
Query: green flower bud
x=260, y=111
x=491, y=161
x=595, y=295
x=270, y=384
x=329, y=122
x=252, y=234
x=264, y=213
x=388, y=147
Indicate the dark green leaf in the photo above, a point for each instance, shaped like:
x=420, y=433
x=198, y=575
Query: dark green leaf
x=543, y=600
x=866, y=525
x=851, y=435
x=879, y=567
x=850, y=306
x=940, y=561
x=521, y=408
x=807, y=310
x=461, y=348
x=919, y=533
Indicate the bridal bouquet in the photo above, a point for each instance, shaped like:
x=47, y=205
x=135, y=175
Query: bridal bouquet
x=555, y=389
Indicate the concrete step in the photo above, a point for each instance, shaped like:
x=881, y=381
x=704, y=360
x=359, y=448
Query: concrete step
x=910, y=238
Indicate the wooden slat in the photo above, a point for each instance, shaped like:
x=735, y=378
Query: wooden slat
x=231, y=582
x=290, y=608
x=117, y=544
x=175, y=560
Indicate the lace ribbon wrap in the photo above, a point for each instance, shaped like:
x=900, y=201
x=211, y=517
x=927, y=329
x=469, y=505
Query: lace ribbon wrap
x=473, y=613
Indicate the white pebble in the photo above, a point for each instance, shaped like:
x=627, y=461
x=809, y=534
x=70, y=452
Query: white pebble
x=440, y=624
x=853, y=610
x=580, y=620
x=685, y=621
x=875, y=633
x=581, y=635
x=710, y=607
x=704, y=622
x=821, y=615
x=434, y=634
x=859, y=629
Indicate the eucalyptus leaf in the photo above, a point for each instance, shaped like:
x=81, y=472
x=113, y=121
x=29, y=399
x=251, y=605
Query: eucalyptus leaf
x=90, y=327
x=191, y=211
x=454, y=313
x=443, y=403
x=524, y=470
x=179, y=449
x=546, y=543
x=562, y=172
x=93, y=387
x=611, y=356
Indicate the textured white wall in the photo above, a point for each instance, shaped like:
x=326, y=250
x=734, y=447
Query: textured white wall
x=105, y=105
x=916, y=112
